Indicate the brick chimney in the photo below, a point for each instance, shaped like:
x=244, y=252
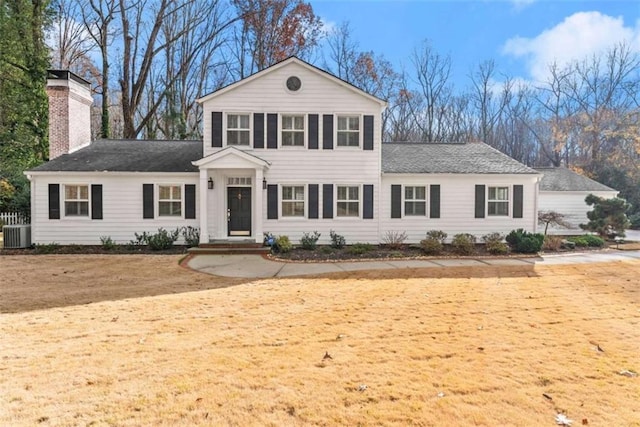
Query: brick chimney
x=69, y=112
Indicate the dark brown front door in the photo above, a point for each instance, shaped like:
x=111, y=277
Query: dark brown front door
x=239, y=211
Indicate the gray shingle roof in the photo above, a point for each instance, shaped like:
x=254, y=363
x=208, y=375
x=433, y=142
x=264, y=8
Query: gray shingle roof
x=129, y=156
x=563, y=179
x=473, y=157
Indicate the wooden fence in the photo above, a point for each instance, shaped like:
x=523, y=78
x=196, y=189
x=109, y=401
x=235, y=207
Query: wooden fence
x=12, y=218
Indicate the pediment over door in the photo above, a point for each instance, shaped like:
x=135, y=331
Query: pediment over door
x=232, y=158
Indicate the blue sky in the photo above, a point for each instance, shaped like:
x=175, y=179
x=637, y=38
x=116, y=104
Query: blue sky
x=522, y=36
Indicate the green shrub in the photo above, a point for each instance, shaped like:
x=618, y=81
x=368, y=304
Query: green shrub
x=394, y=239
x=191, y=236
x=494, y=244
x=309, y=240
x=337, y=241
x=587, y=240
x=437, y=235
x=140, y=239
x=107, y=243
x=431, y=246
x=433, y=243
x=463, y=244
x=525, y=242
x=529, y=245
x=163, y=239
x=283, y=244
x=515, y=236
x=360, y=248
x=594, y=241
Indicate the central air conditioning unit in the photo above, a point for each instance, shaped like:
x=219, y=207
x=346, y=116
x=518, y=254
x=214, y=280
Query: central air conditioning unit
x=16, y=236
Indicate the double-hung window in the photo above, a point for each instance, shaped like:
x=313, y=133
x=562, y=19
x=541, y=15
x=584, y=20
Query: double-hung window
x=293, y=200
x=238, y=130
x=498, y=201
x=169, y=200
x=293, y=130
x=348, y=201
x=415, y=201
x=76, y=200
x=348, y=131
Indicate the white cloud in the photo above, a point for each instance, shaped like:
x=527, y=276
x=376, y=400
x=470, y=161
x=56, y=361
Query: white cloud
x=521, y=4
x=578, y=36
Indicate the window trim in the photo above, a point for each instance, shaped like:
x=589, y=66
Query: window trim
x=414, y=200
x=158, y=200
x=64, y=201
x=305, y=195
x=336, y=201
x=225, y=128
x=304, y=130
x=508, y=201
x=336, y=132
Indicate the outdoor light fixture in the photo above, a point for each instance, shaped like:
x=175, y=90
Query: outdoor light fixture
x=210, y=183
x=264, y=183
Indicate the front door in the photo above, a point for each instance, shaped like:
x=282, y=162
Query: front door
x=239, y=211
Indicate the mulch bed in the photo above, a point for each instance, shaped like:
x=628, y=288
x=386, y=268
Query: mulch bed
x=92, y=250
x=327, y=253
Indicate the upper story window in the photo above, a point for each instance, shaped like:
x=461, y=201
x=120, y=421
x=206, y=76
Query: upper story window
x=348, y=131
x=293, y=200
x=238, y=130
x=293, y=130
x=348, y=201
x=498, y=201
x=415, y=201
x=169, y=200
x=76, y=200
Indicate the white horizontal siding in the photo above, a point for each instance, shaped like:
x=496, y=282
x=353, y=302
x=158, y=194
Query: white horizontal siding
x=457, y=205
x=268, y=94
x=121, y=207
x=355, y=230
x=571, y=204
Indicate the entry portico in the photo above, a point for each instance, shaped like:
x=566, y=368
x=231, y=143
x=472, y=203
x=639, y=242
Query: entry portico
x=231, y=195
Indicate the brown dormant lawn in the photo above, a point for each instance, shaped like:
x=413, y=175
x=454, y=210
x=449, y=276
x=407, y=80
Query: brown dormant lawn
x=138, y=340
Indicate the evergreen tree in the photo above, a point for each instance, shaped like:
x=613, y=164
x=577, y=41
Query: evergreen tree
x=23, y=100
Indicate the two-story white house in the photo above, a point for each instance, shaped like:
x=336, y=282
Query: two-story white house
x=288, y=150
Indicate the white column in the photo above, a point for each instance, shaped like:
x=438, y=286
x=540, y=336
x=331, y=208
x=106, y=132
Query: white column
x=204, y=193
x=257, y=206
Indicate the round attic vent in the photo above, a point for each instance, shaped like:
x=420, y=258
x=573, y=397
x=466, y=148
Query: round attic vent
x=293, y=83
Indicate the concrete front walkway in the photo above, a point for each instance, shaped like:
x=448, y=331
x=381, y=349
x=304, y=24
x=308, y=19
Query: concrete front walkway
x=255, y=266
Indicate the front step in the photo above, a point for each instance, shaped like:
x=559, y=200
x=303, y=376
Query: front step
x=226, y=247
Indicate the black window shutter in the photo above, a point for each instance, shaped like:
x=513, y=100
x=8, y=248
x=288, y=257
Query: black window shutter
x=480, y=197
x=396, y=201
x=517, y=201
x=367, y=201
x=147, y=201
x=258, y=130
x=434, y=201
x=54, y=201
x=368, y=133
x=96, y=201
x=216, y=129
x=313, y=201
x=272, y=201
x=313, y=131
x=190, y=201
x=327, y=131
x=327, y=200
x=272, y=131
